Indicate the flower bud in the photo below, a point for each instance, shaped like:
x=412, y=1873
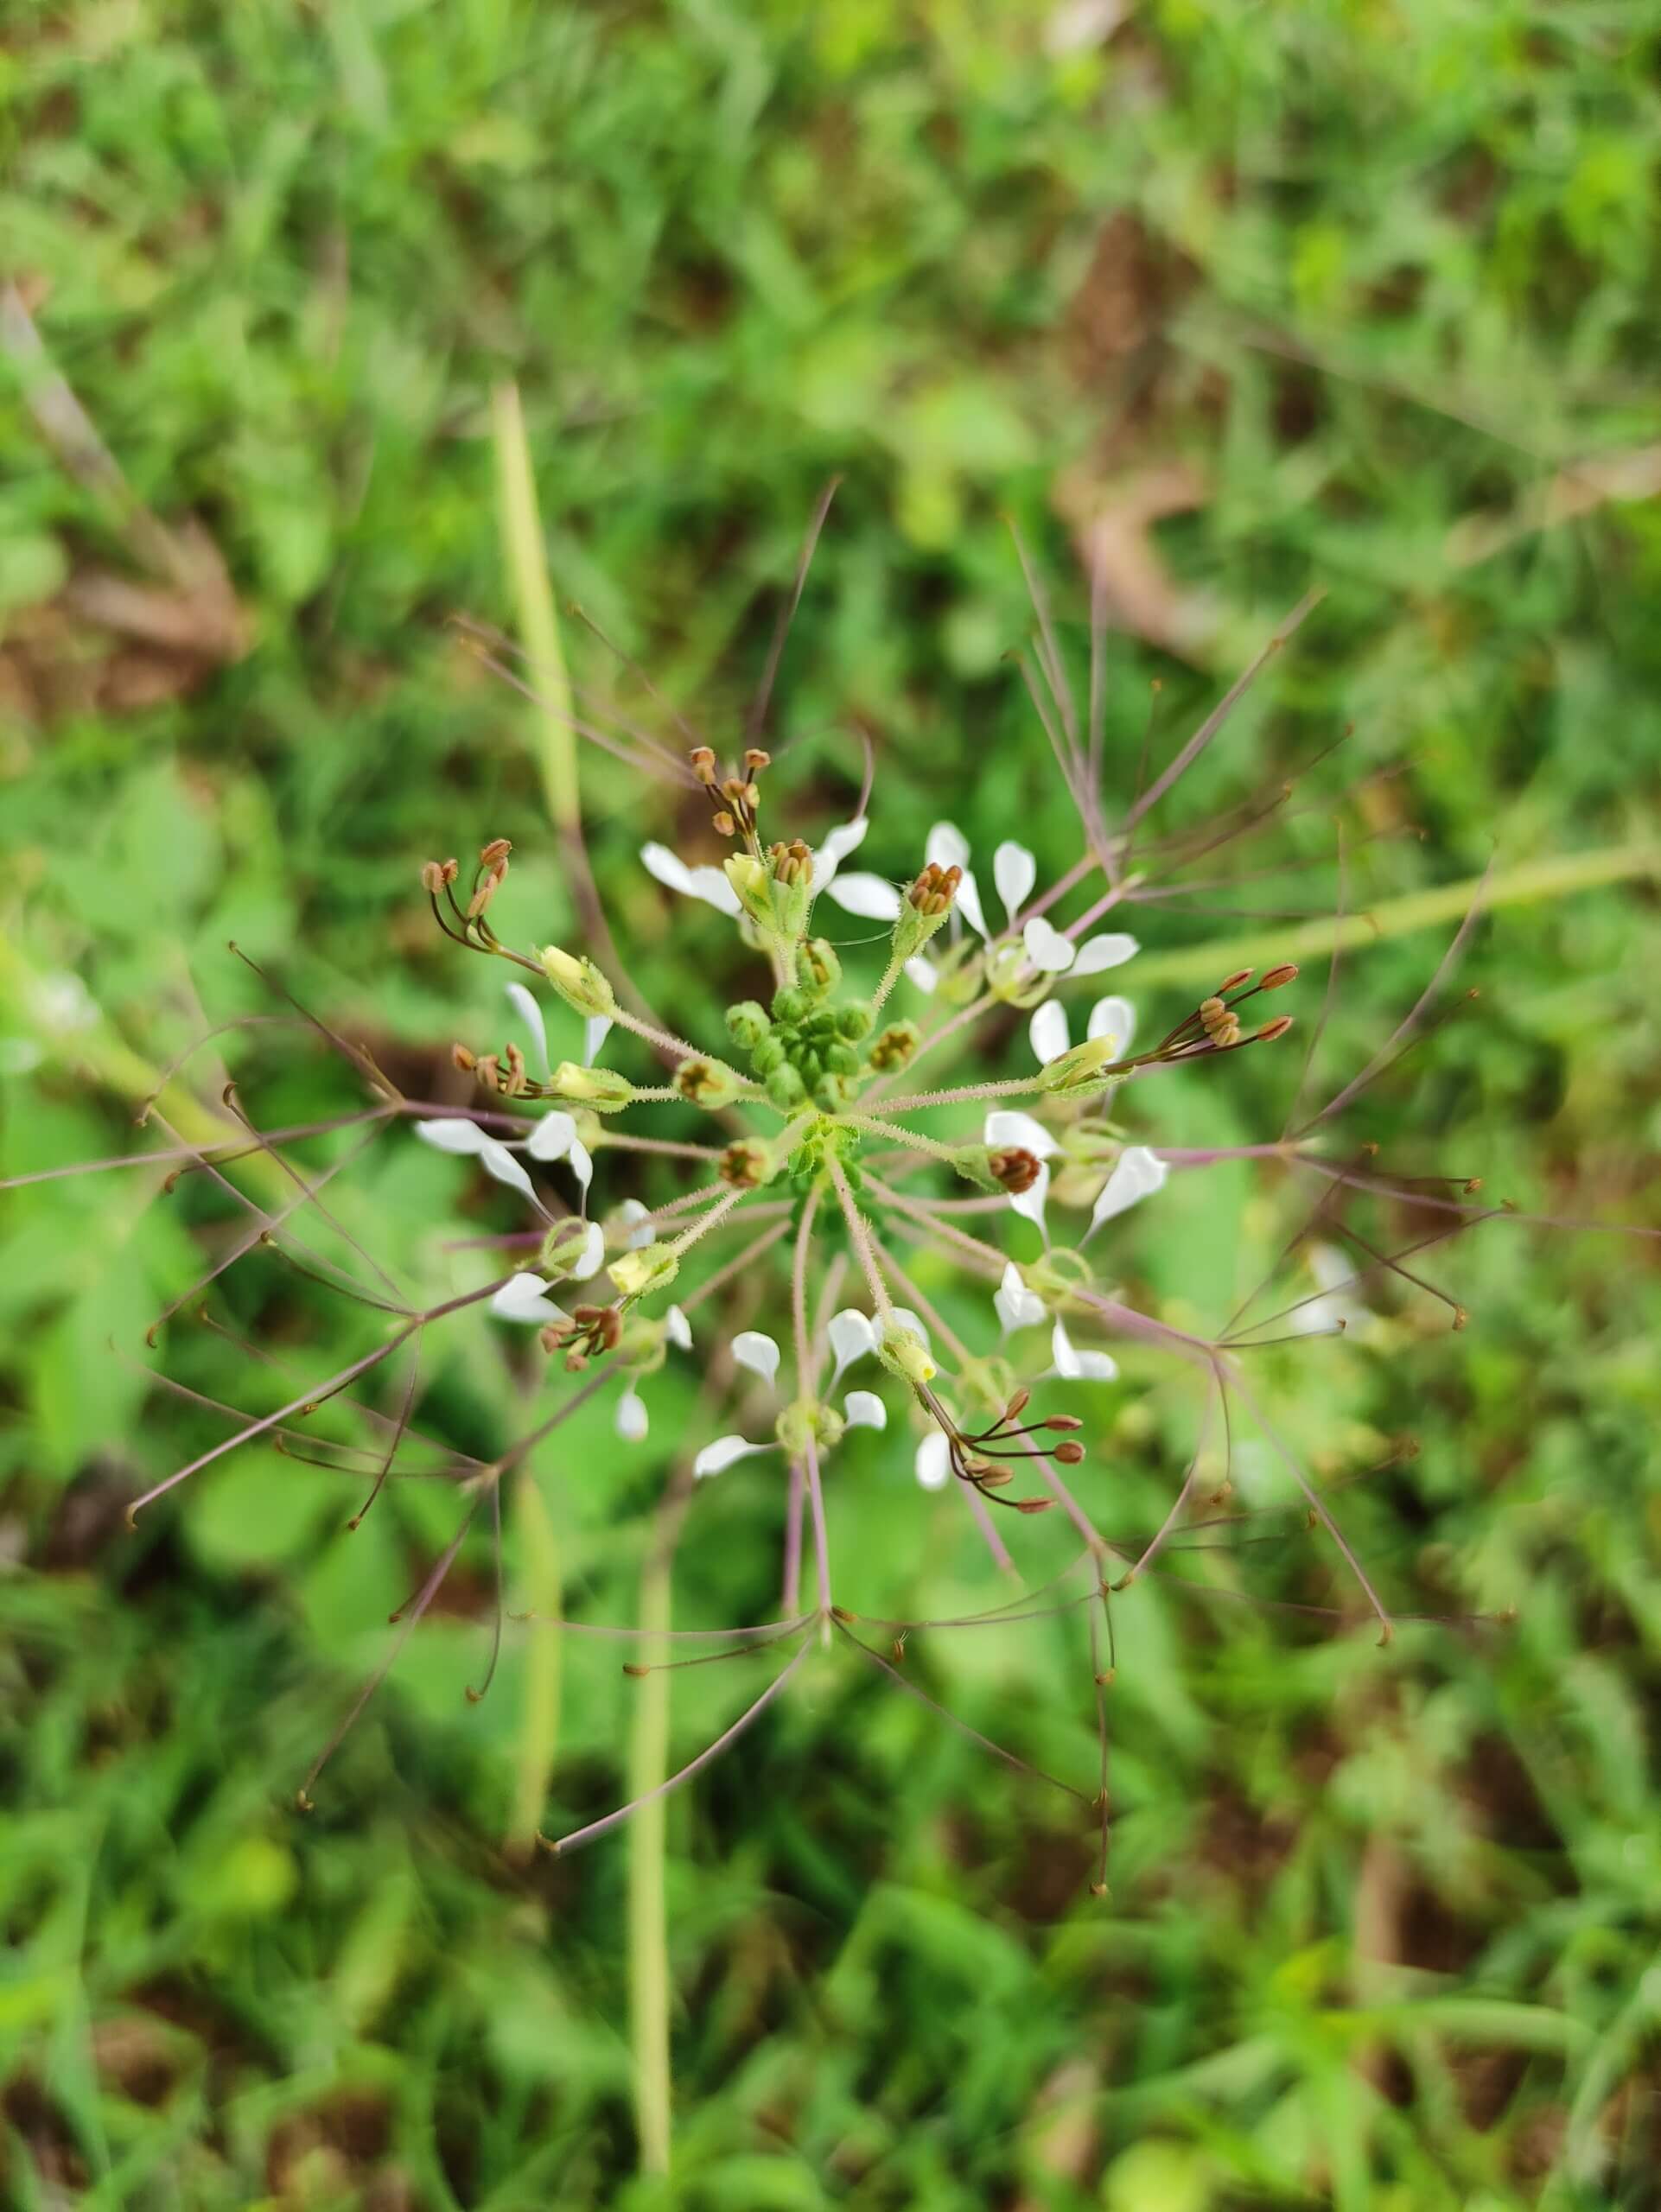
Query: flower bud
x=895, y=1047
x=925, y=908
x=649, y=1269
x=710, y=1084
x=747, y=1024
x=579, y=982
x=786, y=1088
x=768, y=1054
x=752, y=885
x=854, y=1021
x=603, y=1089
x=1079, y=1070
x=807, y=1421
x=903, y=1352
x=818, y=968
x=747, y=1163
x=790, y=1003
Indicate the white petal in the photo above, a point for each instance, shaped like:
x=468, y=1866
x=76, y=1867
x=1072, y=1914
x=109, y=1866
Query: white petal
x=457, y=1135
x=595, y=1030
x=581, y=1165
x=723, y=1453
x=757, y=1352
x=592, y=1257
x=631, y=1421
x=1029, y=1205
x=496, y=1159
x=865, y=1409
x=553, y=1136
x=678, y=1328
x=838, y=843
x=530, y=1015
x=968, y=903
x=1109, y=951
x=637, y=1219
x=524, y=1298
x=1138, y=1174
x=851, y=1338
x=708, y=884
x=1017, y=1306
x=933, y=1461
x=1048, y=1031
x=923, y=974
x=1075, y=1366
x=945, y=847
x=1050, y=952
x=1014, y=872
x=1114, y=1018
x=1022, y=1131
x=872, y=896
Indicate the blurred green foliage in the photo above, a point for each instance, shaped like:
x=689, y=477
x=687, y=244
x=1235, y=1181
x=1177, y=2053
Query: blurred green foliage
x=1355, y=294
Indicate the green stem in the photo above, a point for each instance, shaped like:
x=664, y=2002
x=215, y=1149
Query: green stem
x=648, y=1931
x=1553, y=877
x=539, y=1582
x=524, y=553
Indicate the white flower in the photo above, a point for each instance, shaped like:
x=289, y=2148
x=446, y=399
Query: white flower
x=1017, y=1306
x=1075, y=1366
x=871, y=896
x=724, y=1452
x=595, y=1030
x=758, y=1352
x=524, y=1298
x=1136, y=1174
x=1020, y=1131
x=933, y=1462
x=632, y=1420
x=589, y=1261
x=708, y=884
x=865, y=1409
x=679, y=1328
x=900, y=1318
x=1115, y=1018
x=923, y=974
x=851, y=1338
x=459, y=1135
x=1014, y=871
x=555, y=1137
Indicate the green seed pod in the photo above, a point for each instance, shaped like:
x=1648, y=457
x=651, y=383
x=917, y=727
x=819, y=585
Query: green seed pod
x=747, y=1024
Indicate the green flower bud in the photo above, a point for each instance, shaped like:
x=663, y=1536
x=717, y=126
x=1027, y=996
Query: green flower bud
x=808, y=1422
x=747, y=1163
x=747, y=1024
x=750, y=879
x=786, y=1088
x=579, y=982
x=832, y=1092
x=768, y=1054
x=650, y=1269
x=894, y=1047
x=818, y=967
x=903, y=1352
x=604, y=1090
x=790, y=1003
x=854, y=1021
x=1080, y=1070
x=709, y=1083
x=840, y=1059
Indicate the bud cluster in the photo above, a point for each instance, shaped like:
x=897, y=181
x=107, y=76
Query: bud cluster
x=805, y=1050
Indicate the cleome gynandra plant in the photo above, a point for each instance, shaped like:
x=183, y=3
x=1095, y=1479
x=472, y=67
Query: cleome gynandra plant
x=828, y=1138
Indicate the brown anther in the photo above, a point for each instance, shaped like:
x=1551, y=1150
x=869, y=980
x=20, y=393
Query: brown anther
x=791, y=864
x=1069, y=1423
x=1285, y=972
x=1212, y=1010
x=1017, y=1405
x=985, y=1477
x=553, y=1336
x=1070, y=1453
x=733, y=790
x=462, y=1060
x=493, y=854
x=1032, y=1504
x=636, y=1672
x=703, y=763
x=432, y=877
x=755, y=761
x=1234, y=983
x=487, y=1069
x=1014, y=1169
x=724, y=824
x=935, y=889
x=1271, y=1030
x=513, y=1083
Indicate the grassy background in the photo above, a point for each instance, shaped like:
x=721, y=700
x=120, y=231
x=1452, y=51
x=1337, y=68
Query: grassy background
x=1360, y=295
